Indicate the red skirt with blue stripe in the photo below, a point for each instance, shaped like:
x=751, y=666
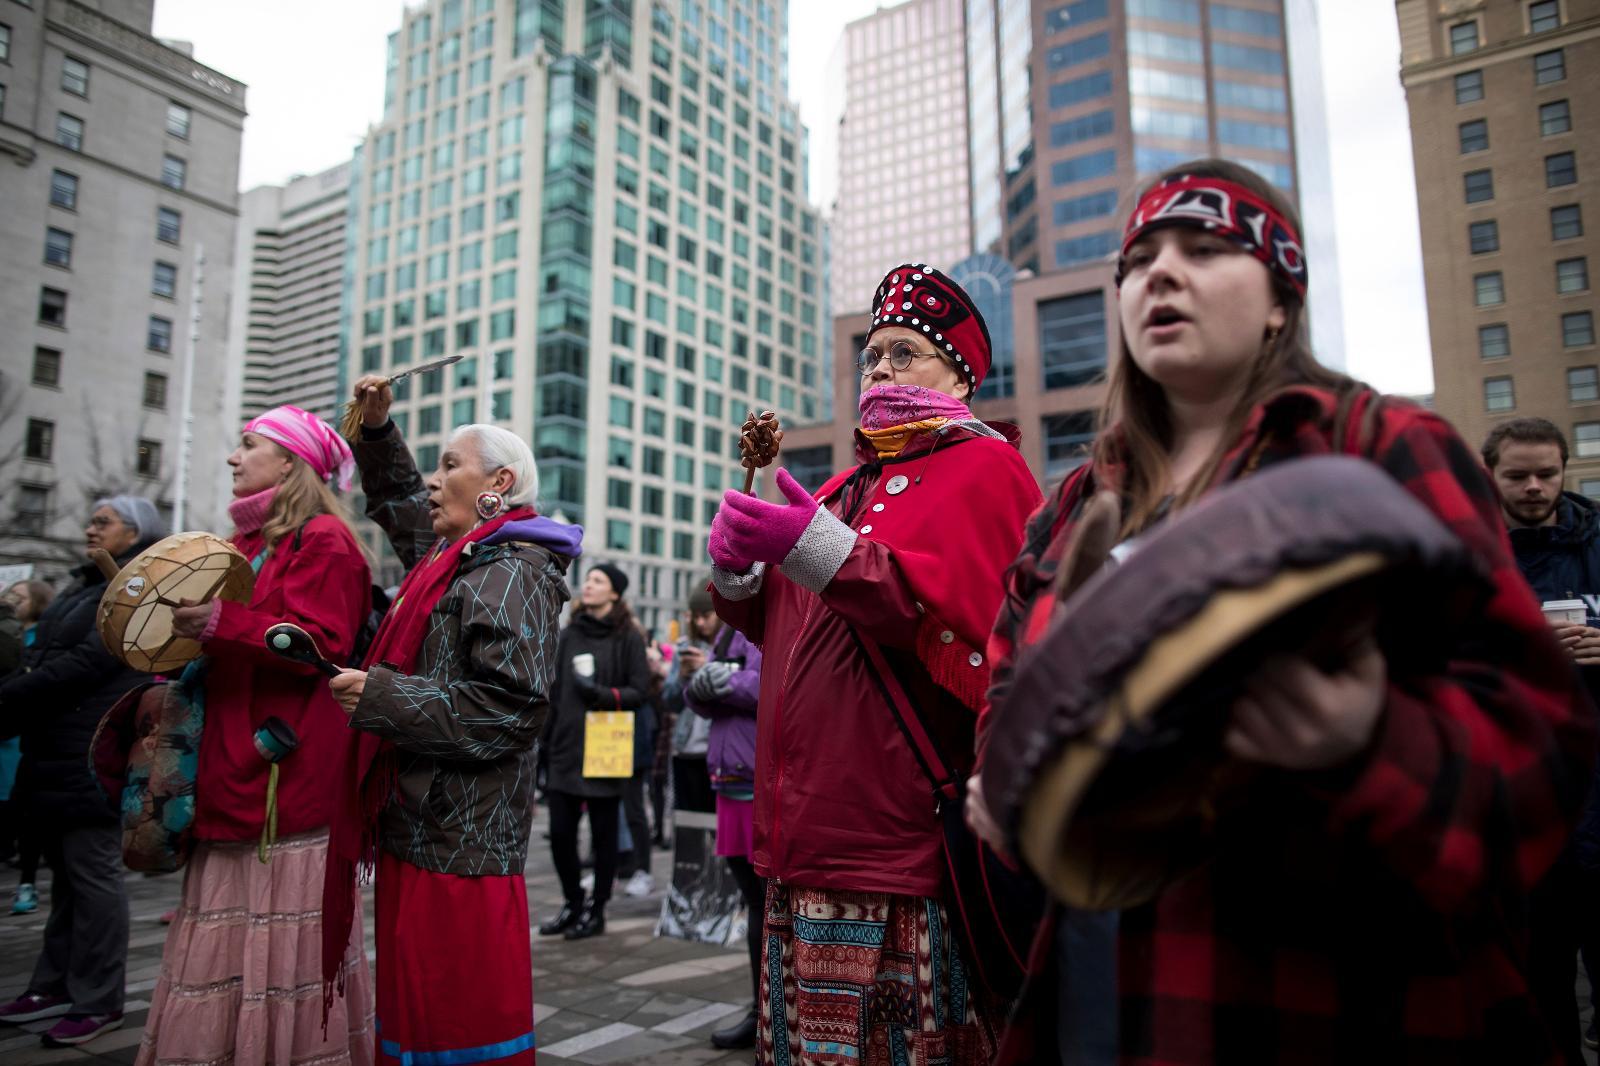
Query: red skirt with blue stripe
x=455, y=975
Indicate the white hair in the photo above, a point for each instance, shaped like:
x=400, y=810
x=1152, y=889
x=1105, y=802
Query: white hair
x=502, y=449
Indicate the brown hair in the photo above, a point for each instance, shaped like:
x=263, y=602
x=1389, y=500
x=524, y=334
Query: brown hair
x=40, y=593
x=301, y=497
x=1523, y=431
x=1136, y=421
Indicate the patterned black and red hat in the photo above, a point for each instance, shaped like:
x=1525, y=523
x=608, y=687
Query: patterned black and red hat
x=921, y=298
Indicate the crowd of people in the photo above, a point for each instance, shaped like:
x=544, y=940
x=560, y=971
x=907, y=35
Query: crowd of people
x=1409, y=881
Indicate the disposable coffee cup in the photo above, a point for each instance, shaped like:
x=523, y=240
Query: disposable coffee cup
x=1565, y=612
x=583, y=665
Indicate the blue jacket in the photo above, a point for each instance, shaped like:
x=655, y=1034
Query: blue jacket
x=1562, y=562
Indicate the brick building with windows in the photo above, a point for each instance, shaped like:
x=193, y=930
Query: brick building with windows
x=119, y=159
x=1501, y=94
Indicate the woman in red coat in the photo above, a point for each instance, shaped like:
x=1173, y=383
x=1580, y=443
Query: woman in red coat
x=241, y=977
x=1370, y=906
x=902, y=555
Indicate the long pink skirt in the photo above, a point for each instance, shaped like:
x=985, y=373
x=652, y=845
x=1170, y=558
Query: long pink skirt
x=241, y=976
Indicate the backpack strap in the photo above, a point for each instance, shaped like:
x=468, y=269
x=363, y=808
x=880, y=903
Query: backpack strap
x=945, y=783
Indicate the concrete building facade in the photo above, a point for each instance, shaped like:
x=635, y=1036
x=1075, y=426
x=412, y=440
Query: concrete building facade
x=121, y=162
x=1508, y=183
x=284, y=322
x=904, y=182
x=602, y=206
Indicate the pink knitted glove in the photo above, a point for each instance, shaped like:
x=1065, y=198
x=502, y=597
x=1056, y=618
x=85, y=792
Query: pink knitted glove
x=723, y=556
x=761, y=531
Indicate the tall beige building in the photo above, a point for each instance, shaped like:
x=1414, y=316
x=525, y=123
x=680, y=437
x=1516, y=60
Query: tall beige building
x=1502, y=96
x=121, y=162
x=283, y=328
x=904, y=189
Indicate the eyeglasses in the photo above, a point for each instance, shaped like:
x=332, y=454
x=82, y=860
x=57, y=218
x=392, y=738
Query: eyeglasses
x=900, y=356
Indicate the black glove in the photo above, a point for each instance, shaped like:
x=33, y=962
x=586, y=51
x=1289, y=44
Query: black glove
x=588, y=691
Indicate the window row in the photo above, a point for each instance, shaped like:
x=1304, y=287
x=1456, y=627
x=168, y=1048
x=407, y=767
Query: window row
x=1548, y=68
x=1554, y=117
x=1543, y=16
x=53, y=312
x=47, y=365
x=1560, y=169
x=39, y=444
x=1577, y=331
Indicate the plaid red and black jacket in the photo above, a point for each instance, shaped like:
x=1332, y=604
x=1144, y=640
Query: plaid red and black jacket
x=1376, y=912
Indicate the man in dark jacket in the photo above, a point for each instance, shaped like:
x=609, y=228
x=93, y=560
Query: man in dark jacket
x=1555, y=536
x=54, y=701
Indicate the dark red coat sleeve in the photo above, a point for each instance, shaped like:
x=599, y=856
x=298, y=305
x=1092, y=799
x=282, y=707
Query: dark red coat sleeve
x=320, y=589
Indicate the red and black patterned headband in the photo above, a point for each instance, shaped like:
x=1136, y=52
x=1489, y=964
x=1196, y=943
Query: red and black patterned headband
x=1225, y=208
x=923, y=299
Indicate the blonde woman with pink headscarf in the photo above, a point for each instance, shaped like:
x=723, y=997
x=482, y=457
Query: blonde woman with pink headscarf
x=241, y=977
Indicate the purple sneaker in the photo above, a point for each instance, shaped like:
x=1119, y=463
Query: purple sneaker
x=81, y=1028
x=33, y=1007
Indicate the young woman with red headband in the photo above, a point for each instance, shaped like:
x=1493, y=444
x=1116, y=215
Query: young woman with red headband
x=1446, y=795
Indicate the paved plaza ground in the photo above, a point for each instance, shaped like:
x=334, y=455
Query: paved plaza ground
x=625, y=997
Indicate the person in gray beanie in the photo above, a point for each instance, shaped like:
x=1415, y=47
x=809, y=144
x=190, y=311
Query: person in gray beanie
x=137, y=513
x=80, y=973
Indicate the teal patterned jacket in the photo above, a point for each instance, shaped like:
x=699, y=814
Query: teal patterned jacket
x=464, y=724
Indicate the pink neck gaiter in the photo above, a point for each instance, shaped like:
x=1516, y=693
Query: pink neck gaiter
x=887, y=406
x=249, y=513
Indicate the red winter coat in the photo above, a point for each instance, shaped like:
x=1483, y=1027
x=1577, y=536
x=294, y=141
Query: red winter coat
x=324, y=587
x=841, y=802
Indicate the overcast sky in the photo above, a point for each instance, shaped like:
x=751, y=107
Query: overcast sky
x=315, y=74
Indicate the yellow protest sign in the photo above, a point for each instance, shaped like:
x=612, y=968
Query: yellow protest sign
x=608, y=744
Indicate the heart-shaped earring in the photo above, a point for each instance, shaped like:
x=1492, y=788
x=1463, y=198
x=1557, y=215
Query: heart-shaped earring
x=490, y=504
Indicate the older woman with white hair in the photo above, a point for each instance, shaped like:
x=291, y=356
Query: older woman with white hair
x=454, y=692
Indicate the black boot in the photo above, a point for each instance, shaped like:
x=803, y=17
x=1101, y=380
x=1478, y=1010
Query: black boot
x=741, y=1034
x=591, y=922
x=565, y=920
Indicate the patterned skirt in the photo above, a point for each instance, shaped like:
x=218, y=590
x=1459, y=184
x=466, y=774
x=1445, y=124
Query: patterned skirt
x=241, y=976
x=866, y=979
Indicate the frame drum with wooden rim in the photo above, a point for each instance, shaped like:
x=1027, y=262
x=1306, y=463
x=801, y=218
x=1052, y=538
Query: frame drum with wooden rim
x=135, y=616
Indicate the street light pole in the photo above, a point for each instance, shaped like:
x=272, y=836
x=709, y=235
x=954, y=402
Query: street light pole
x=180, y=499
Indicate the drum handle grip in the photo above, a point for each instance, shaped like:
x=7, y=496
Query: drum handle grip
x=108, y=566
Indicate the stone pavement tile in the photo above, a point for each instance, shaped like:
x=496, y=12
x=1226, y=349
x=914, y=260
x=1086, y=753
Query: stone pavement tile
x=574, y=995
x=649, y=1046
x=615, y=1004
x=39, y=1055
x=703, y=1021
x=574, y=1047
x=663, y=1007
x=563, y=1025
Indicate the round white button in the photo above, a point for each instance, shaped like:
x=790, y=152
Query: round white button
x=877, y=507
x=975, y=659
x=897, y=485
x=947, y=636
x=866, y=529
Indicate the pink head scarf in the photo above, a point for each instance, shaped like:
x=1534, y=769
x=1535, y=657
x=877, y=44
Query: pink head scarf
x=309, y=437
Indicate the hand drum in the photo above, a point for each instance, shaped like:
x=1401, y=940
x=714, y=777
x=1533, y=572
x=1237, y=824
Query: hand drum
x=135, y=615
